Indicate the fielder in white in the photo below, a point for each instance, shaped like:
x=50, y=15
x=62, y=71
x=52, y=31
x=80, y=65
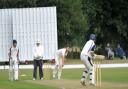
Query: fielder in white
x=87, y=55
x=59, y=62
x=13, y=61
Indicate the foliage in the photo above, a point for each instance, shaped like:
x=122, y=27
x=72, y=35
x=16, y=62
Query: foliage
x=108, y=19
x=78, y=19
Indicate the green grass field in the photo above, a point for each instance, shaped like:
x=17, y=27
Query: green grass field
x=111, y=78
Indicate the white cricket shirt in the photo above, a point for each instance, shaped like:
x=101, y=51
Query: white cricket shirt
x=38, y=51
x=88, y=48
x=14, y=52
x=61, y=52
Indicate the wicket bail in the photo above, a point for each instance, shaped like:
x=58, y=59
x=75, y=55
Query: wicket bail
x=98, y=74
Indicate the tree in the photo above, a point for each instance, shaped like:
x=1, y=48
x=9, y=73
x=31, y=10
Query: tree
x=108, y=19
x=72, y=23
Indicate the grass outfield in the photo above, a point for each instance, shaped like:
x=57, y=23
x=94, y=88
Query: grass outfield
x=112, y=75
x=22, y=83
x=111, y=78
x=102, y=61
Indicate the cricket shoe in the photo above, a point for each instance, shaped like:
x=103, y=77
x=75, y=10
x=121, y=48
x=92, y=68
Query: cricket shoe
x=58, y=78
x=54, y=78
x=92, y=84
x=34, y=79
x=83, y=82
x=41, y=78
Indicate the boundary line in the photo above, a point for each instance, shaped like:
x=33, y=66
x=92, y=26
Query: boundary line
x=71, y=66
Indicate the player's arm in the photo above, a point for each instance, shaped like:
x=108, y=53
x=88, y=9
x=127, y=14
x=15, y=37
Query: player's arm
x=18, y=56
x=92, y=52
x=9, y=54
x=63, y=58
x=42, y=52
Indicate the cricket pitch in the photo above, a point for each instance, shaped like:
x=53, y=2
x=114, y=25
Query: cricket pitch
x=75, y=84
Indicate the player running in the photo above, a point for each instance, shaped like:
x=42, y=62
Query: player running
x=87, y=55
x=13, y=61
x=59, y=62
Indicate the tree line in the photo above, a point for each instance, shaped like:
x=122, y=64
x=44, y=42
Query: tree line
x=77, y=19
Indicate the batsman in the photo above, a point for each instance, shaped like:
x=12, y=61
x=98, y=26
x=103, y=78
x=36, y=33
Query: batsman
x=87, y=55
x=13, y=61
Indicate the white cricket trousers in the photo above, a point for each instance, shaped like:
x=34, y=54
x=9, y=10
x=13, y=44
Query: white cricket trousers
x=13, y=69
x=57, y=71
x=89, y=68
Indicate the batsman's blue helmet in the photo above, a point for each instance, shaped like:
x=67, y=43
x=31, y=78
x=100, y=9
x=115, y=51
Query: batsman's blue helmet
x=92, y=37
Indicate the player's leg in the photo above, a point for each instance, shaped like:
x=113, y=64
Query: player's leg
x=84, y=75
x=89, y=65
x=85, y=72
x=40, y=69
x=11, y=70
x=60, y=68
x=35, y=70
x=55, y=70
x=16, y=69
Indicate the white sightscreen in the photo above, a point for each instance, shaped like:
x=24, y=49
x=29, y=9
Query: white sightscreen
x=30, y=24
x=5, y=33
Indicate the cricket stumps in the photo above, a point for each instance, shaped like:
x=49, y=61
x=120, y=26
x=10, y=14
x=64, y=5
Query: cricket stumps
x=97, y=75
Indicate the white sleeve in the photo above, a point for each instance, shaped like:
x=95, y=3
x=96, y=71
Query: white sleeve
x=91, y=44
